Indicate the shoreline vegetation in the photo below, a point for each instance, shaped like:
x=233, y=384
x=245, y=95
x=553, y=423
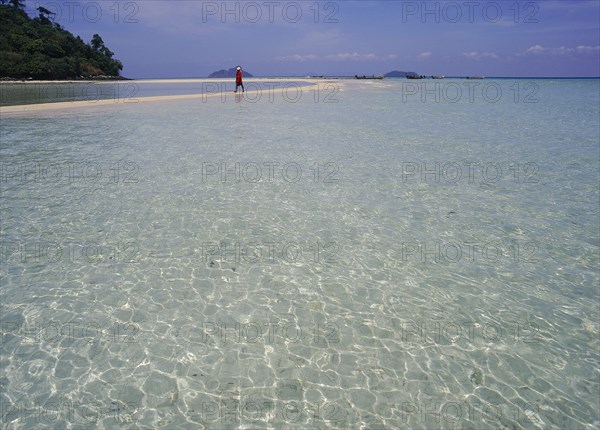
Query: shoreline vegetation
x=38, y=48
x=8, y=79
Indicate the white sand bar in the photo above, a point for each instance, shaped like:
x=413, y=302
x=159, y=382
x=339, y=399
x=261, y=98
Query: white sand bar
x=322, y=84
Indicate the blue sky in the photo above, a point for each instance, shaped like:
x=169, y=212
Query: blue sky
x=172, y=38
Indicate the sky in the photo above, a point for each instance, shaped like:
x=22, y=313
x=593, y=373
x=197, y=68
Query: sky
x=193, y=38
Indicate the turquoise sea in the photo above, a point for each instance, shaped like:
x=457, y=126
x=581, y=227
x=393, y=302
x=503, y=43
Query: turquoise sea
x=371, y=255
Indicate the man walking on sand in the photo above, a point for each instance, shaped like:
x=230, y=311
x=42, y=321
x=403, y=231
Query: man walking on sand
x=238, y=80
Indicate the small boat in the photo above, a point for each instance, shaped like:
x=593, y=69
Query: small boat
x=437, y=77
x=368, y=77
x=415, y=77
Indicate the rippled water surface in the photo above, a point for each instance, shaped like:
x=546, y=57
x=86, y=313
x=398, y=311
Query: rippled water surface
x=377, y=255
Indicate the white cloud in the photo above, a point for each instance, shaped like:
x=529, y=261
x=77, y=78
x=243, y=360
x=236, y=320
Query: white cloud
x=424, y=55
x=476, y=55
x=298, y=58
x=561, y=50
x=535, y=49
x=343, y=56
x=581, y=49
x=355, y=56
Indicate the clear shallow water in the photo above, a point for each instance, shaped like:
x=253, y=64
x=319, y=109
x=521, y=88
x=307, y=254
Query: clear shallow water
x=145, y=284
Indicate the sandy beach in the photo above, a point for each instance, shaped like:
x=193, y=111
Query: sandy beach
x=322, y=85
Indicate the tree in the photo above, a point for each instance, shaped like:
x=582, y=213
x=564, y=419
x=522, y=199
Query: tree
x=16, y=4
x=97, y=42
x=33, y=47
x=44, y=14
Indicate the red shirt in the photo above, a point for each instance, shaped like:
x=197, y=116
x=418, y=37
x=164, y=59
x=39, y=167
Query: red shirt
x=238, y=77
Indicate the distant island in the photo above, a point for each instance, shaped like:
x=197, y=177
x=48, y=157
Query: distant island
x=398, y=74
x=37, y=48
x=228, y=73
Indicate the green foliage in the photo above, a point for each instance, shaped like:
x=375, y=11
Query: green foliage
x=40, y=49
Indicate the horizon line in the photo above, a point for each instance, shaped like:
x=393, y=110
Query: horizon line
x=304, y=76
